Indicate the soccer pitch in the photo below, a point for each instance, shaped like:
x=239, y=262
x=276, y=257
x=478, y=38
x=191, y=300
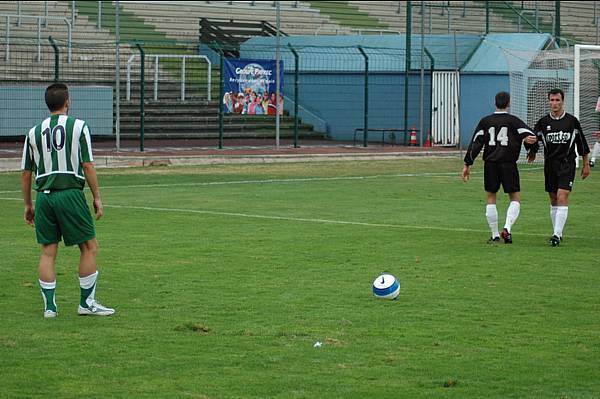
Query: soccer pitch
x=223, y=278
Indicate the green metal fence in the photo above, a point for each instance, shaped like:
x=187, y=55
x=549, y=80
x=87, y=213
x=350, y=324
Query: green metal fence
x=346, y=94
x=344, y=89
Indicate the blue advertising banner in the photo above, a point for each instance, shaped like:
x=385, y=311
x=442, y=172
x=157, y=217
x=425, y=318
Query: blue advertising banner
x=250, y=87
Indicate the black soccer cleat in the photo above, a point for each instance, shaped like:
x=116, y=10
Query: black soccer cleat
x=506, y=236
x=554, y=241
x=493, y=240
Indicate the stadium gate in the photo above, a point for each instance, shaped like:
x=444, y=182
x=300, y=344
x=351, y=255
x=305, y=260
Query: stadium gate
x=444, y=108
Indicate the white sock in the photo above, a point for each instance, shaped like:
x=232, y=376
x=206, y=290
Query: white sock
x=48, y=285
x=553, y=215
x=88, y=288
x=512, y=214
x=561, y=218
x=491, y=214
x=595, y=152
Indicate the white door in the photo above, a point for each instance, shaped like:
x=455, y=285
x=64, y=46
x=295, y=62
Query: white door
x=444, y=108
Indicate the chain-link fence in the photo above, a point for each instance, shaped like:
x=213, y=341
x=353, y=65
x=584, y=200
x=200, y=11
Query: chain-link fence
x=324, y=92
x=165, y=81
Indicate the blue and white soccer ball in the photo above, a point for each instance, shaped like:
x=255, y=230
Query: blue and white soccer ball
x=386, y=286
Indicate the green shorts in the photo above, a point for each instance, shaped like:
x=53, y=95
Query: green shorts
x=63, y=213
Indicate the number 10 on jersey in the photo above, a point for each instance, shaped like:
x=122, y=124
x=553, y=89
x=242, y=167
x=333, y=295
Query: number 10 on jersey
x=55, y=138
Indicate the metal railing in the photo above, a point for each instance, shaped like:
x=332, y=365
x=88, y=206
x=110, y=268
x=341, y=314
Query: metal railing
x=536, y=16
x=332, y=30
x=563, y=40
x=183, y=58
x=39, y=19
x=19, y=12
x=309, y=116
x=379, y=32
x=289, y=5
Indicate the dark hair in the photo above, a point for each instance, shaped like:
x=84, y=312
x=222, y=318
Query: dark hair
x=502, y=100
x=56, y=96
x=556, y=91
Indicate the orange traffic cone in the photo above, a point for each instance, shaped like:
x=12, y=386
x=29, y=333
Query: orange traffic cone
x=428, y=140
x=413, y=137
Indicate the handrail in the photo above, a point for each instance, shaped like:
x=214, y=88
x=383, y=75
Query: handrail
x=128, y=91
x=559, y=39
x=156, y=59
x=381, y=32
x=537, y=14
x=245, y=5
x=305, y=110
x=56, y=58
x=520, y=15
x=39, y=18
x=563, y=39
x=335, y=30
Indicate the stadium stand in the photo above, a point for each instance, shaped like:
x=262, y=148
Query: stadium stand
x=181, y=22
x=93, y=64
x=580, y=19
x=348, y=14
x=438, y=17
x=23, y=63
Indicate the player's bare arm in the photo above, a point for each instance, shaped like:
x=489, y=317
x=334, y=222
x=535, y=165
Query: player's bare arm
x=92, y=181
x=29, y=214
x=466, y=172
x=585, y=170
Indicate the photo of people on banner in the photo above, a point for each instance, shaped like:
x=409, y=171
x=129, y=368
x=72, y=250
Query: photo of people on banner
x=250, y=87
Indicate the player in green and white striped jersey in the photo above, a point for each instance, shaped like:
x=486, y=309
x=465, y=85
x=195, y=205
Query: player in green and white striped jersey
x=56, y=149
x=59, y=152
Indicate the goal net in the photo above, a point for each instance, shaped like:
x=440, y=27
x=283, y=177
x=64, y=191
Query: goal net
x=576, y=71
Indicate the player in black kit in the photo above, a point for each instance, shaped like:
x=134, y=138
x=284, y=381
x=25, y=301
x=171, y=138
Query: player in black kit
x=500, y=135
x=560, y=133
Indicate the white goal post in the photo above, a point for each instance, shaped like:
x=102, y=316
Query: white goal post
x=575, y=70
x=587, y=96
x=577, y=75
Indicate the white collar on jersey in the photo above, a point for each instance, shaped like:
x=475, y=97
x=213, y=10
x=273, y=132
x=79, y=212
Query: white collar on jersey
x=560, y=117
x=501, y=112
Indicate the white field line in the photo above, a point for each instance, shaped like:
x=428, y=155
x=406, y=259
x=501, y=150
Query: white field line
x=304, y=220
x=267, y=181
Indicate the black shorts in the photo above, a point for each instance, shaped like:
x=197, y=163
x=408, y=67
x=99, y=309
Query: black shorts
x=559, y=174
x=496, y=173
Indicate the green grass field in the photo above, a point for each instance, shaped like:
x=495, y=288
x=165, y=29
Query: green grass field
x=223, y=278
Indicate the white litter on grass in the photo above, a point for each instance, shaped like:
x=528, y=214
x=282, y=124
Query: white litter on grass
x=318, y=344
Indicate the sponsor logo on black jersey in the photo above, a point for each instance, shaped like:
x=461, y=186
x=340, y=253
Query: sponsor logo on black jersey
x=558, y=137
